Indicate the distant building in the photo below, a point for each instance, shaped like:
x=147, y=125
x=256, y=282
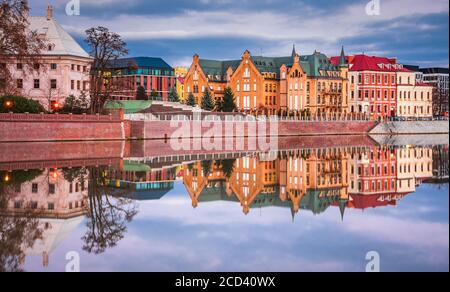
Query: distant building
x=180, y=74
x=153, y=74
x=439, y=79
x=63, y=67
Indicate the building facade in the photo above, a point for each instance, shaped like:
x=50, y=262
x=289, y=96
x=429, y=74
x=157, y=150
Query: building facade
x=180, y=74
x=414, y=99
x=439, y=79
x=61, y=70
x=128, y=74
x=273, y=85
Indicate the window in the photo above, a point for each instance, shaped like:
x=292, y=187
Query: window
x=78, y=85
x=20, y=83
x=36, y=66
x=37, y=84
x=53, y=84
x=78, y=67
x=34, y=205
x=72, y=84
x=19, y=66
x=51, y=206
x=51, y=189
x=17, y=205
x=53, y=66
x=34, y=188
x=73, y=67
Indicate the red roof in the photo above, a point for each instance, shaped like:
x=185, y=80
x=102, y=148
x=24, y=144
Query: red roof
x=371, y=63
x=361, y=201
x=181, y=80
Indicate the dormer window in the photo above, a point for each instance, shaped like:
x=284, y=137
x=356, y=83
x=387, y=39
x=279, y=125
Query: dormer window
x=381, y=66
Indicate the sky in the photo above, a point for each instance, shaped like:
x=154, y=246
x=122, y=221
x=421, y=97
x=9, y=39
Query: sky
x=414, y=31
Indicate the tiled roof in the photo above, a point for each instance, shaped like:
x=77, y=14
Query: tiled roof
x=371, y=63
x=63, y=43
x=311, y=64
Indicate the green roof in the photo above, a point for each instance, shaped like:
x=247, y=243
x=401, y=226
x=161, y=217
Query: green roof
x=135, y=166
x=129, y=106
x=311, y=64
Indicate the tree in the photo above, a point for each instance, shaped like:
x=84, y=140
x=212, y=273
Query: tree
x=141, y=94
x=228, y=105
x=20, y=104
x=108, y=215
x=207, y=101
x=154, y=95
x=105, y=47
x=17, y=42
x=76, y=105
x=191, y=100
x=173, y=95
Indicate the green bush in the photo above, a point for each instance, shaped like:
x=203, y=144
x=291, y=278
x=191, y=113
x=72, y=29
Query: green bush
x=20, y=104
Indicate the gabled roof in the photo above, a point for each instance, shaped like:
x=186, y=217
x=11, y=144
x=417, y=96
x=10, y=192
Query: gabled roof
x=140, y=62
x=311, y=64
x=63, y=43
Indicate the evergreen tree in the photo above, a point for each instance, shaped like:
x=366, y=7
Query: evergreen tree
x=154, y=95
x=191, y=100
x=228, y=104
x=141, y=94
x=173, y=95
x=207, y=101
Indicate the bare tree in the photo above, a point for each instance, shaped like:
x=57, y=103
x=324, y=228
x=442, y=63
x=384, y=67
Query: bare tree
x=18, y=43
x=108, y=215
x=105, y=47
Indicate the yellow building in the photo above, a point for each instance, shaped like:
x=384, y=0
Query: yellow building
x=180, y=74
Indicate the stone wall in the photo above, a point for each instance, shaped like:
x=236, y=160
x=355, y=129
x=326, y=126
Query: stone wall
x=411, y=128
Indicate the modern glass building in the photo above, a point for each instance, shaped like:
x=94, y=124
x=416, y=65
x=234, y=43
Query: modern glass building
x=153, y=74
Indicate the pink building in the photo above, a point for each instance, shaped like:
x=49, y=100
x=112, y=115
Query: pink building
x=63, y=68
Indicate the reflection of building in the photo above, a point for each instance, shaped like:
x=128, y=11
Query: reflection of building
x=440, y=163
x=141, y=181
x=63, y=67
x=57, y=204
x=313, y=179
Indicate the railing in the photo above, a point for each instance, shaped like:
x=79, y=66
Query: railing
x=236, y=117
x=58, y=117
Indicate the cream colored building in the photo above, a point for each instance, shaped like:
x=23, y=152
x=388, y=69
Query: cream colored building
x=414, y=165
x=414, y=99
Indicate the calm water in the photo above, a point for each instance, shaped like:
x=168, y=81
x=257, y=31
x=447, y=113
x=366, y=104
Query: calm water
x=302, y=210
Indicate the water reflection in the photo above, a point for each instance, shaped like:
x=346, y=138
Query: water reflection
x=39, y=209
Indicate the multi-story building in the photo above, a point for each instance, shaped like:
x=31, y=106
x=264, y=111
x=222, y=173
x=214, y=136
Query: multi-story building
x=180, y=74
x=414, y=165
x=61, y=70
x=373, y=85
x=128, y=74
x=414, y=98
x=273, y=84
x=438, y=78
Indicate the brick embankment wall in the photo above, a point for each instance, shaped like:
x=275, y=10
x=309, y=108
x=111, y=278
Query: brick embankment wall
x=411, y=128
x=194, y=129
x=36, y=155
x=38, y=128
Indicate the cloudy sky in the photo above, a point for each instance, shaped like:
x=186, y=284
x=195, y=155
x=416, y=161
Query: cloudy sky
x=415, y=31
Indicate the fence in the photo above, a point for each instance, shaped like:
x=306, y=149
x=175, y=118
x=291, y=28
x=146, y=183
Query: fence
x=59, y=117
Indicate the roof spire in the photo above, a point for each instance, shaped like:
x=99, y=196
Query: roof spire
x=342, y=59
x=294, y=53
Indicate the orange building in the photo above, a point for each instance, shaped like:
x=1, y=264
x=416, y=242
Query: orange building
x=273, y=85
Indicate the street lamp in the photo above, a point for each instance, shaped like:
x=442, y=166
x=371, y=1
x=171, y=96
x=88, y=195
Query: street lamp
x=8, y=104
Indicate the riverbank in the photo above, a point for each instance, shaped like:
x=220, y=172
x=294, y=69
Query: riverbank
x=411, y=128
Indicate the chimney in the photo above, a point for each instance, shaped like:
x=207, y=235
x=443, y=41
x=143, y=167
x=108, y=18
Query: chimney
x=49, y=12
